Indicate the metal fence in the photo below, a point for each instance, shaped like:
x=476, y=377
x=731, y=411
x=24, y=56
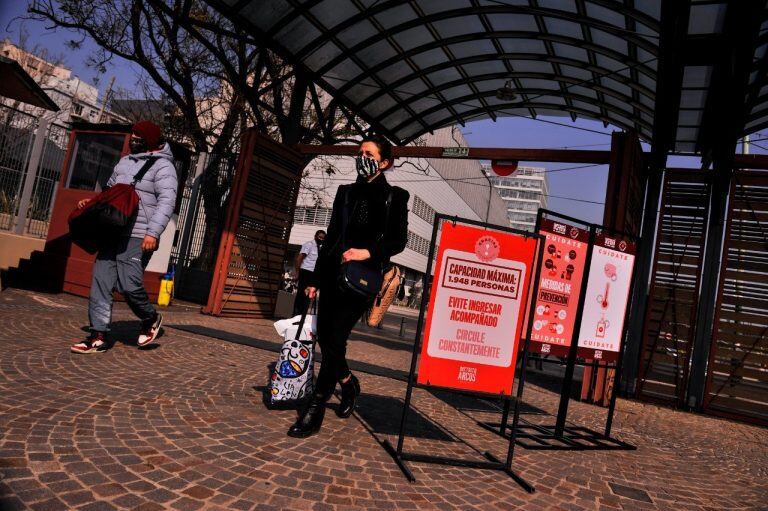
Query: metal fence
x=17, y=135
x=200, y=222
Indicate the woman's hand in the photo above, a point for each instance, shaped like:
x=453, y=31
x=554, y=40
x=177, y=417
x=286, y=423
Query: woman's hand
x=311, y=292
x=81, y=204
x=355, y=254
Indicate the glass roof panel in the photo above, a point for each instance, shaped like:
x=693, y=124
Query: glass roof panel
x=523, y=46
x=706, y=18
x=466, y=106
x=381, y=104
x=560, y=5
x=586, y=106
x=532, y=66
x=356, y=33
x=266, y=15
x=394, y=72
x=395, y=16
x=445, y=75
x=361, y=91
x=415, y=86
x=650, y=7
x=413, y=37
x=609, y=41
x=434, y=6
x=377, y=52
x=583, y=91
x=429, y=58
x=693, y=98
x=605, y=15
x=435, y=117
x=646, y=81
x=687, y=134
x=515, y=22
x=459, y=26
x=613, y=65
x=323, y=55
x=618, y=103
x=696, y=76
x=551, y=112
x=483, y=68
x=423, y=104
x=576, y=72
x=297, y=34
x=690, y=117
x=617, y=86
x=562, y=27
x=328, y=12
x=456, y=92
x=571, y=52
x=532, y=83
x=472, y=48
x=551, y=100
x=396, y=118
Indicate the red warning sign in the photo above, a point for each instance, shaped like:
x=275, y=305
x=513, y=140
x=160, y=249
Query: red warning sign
x=557, y=300
x=476, y=309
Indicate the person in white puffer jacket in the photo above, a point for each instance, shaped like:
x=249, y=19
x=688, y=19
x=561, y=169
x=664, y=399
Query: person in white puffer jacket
x=120, y=265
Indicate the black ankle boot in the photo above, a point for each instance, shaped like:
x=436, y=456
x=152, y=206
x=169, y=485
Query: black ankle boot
x=310, y=419
x=349, y=392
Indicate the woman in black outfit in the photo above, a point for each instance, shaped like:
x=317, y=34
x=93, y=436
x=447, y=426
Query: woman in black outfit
x=371, y=236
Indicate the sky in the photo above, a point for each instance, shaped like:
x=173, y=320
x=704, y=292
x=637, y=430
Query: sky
x=578, y=192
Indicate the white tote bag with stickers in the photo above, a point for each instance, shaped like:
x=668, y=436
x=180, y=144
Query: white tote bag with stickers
x=291, y=382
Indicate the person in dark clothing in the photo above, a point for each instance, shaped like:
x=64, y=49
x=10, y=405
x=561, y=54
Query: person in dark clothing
x=371, y=236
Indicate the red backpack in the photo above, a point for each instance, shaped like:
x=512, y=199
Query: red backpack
x=107, y=214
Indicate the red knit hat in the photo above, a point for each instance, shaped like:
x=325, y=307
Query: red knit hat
x=150, y=132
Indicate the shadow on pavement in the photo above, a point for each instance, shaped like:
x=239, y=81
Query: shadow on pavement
x=382, y=414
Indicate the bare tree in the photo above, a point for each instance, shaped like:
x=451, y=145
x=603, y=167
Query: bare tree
x=214, y=76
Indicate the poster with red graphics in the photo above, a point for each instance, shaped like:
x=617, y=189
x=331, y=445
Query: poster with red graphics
x=476, y=309
x=557, y=299
x=605, y=304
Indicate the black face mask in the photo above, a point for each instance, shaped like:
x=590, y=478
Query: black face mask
x=319, y=243
x=366, y=167
x=138, y=146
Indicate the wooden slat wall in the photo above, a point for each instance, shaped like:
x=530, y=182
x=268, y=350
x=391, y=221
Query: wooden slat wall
x=737, y=379
x=250, y=265
x=673, y=296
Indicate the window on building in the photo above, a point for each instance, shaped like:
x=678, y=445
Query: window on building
x=312, y=215
x=423, y=210
x=417, y=243
x=77, y=108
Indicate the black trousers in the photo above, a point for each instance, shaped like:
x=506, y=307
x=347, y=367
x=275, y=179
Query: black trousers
x=338, y=312
x=301, y=301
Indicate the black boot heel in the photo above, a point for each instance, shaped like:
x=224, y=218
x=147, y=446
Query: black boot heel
x=310, y=420
x=349, y=392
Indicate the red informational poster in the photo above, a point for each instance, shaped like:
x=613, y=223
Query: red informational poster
x=476, y=309
x=605, y=305
x=557, y=300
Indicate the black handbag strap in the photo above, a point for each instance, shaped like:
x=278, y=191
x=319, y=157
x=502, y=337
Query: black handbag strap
x=345, y=217
x=144, y=169
x=304, y=318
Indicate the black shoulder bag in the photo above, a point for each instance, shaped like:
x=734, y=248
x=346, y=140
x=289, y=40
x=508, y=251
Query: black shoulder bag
x=356, y=276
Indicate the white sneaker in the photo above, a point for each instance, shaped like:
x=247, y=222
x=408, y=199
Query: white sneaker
x=149, y=331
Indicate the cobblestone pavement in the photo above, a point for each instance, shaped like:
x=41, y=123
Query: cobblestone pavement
x=182, y=426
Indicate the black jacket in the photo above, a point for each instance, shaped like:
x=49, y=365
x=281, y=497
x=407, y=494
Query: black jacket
x=366, y=214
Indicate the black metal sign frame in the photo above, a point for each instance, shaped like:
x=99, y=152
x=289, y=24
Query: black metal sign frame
x=559, y=436
x=491, y=462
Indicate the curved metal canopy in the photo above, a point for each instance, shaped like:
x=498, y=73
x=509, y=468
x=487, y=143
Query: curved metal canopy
x=409, y=67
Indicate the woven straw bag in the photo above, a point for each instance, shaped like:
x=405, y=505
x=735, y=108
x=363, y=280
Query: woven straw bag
x=386, y=296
